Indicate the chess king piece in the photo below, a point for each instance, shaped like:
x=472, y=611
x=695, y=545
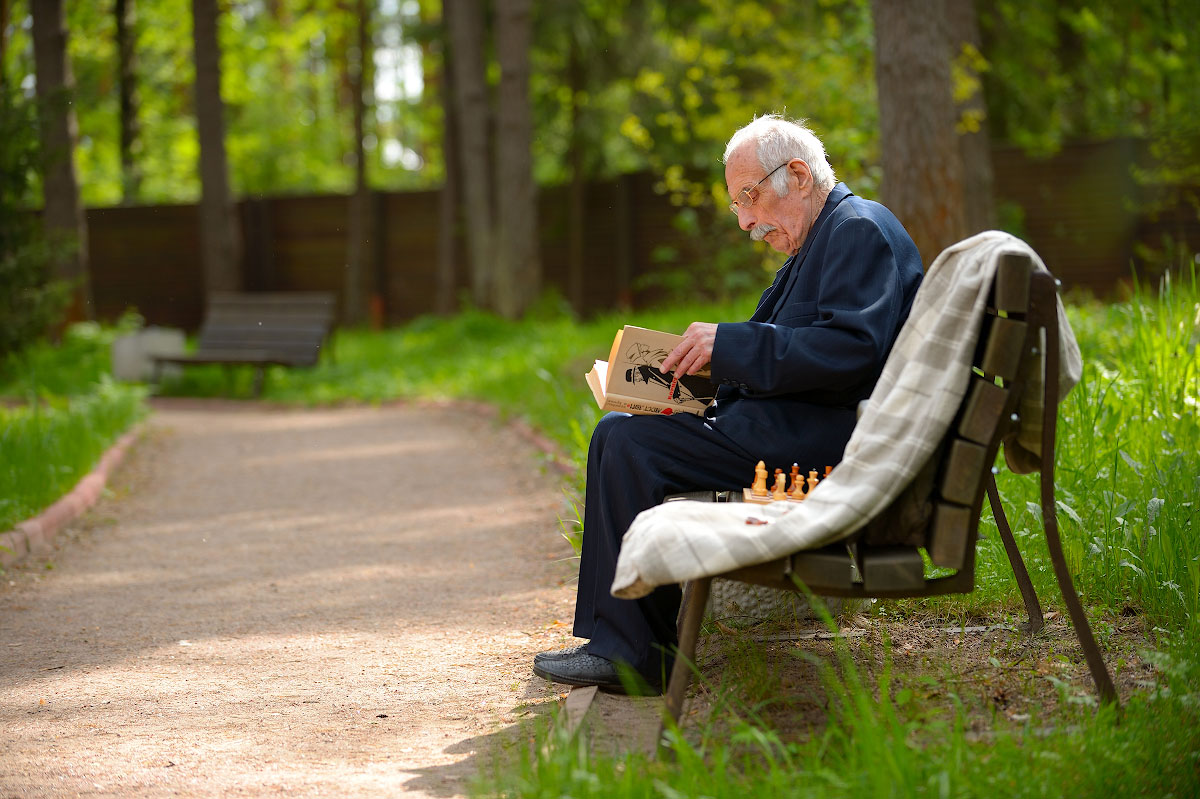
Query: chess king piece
x=780, y=485
x=759, y=489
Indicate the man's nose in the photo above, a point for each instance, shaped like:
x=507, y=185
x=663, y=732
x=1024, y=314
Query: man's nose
x=746, y=218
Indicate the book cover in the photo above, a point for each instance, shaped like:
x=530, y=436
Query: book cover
x=630, y=379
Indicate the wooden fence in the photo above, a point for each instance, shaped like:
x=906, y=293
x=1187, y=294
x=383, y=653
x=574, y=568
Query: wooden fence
x=1078, y=210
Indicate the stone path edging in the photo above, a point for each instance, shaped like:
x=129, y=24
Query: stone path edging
x=35, y=536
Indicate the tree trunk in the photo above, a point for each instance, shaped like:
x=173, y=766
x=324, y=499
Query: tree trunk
x=449, y=198
x=974, y=143
x=576, y=209
x=5, y=13
x=471, y=103
x=358, y=236
x=63, y=213
x=131, y=174
x=219, y=247
x=519, y=270
x=922, y=167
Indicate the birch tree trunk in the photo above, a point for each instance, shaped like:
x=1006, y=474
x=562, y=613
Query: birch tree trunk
x=922, y=166
x=220, y=249
x=518, y=271
x=63, y=212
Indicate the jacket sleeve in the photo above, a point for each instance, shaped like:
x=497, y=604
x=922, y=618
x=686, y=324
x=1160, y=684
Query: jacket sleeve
x=827, y=342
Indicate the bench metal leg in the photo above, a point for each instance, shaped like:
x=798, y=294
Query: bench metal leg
x=695, y=599
x=1032, y=606
x=1083, y=630
x=1087, y=641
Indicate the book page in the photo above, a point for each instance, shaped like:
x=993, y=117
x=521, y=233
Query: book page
x=634, y=372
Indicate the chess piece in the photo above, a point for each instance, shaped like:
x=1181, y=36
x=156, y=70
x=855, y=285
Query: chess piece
x=759, y=489
x=828, y=469
x=812, y=481
x=797, y=489
x=780, y=485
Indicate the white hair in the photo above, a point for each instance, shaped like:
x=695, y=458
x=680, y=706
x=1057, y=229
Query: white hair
x=778, y=140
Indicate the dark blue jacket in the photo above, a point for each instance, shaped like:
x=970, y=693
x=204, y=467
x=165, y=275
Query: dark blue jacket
x=818, y=340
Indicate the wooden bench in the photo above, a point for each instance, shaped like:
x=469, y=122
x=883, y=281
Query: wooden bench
x=260, y=330
x=939, y=511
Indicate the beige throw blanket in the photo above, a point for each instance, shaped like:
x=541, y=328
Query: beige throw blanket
x=908, y=413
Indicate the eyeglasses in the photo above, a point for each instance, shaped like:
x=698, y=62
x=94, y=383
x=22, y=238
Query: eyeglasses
x=746, y=197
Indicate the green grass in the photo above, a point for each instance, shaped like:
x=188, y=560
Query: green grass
x=1128, y=467
x=62, y=412
x=875, y=746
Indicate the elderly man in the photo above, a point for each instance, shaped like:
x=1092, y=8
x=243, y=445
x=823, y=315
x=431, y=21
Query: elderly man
x=790, y=380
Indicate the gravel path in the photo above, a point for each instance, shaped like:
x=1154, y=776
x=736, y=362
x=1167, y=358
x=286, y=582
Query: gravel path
x=319, y=603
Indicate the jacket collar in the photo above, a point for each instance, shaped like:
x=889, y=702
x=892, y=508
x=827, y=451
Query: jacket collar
x=793, y=264
x=836, y=195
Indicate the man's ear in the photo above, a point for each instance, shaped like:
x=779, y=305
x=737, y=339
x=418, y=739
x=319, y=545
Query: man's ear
x=799, y=168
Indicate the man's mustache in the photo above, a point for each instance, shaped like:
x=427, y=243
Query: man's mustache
x=760, y=232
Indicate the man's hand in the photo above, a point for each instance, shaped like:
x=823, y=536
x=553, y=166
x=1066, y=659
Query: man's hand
x=694, y=352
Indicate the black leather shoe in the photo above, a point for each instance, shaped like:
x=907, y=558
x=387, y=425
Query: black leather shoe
x=561, y=654
x=585, y=669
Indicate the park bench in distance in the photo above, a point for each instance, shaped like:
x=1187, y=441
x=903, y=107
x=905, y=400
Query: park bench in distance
x=939, y=511
x=260, y=329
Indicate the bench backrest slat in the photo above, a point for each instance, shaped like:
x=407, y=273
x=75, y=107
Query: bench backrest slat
x=291, y=327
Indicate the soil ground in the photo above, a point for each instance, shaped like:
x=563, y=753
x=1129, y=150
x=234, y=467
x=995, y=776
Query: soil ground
x=336, y=602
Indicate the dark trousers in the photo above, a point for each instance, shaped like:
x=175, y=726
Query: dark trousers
x=634, y=462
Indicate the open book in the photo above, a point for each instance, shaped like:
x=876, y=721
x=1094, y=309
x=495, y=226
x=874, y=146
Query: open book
x=630, y=379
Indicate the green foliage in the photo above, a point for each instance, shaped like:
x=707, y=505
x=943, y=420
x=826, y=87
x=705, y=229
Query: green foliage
x=47, y=447
x=706, y=68
x=876, y=744
x=71, y=367
x=1061, y=71
x=29, y=301
x=1128, y=466
x=63, y=412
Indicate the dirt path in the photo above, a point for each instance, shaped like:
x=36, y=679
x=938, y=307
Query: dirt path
x=318, y=603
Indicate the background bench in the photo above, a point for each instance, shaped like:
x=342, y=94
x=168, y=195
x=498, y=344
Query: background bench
x=260, y=329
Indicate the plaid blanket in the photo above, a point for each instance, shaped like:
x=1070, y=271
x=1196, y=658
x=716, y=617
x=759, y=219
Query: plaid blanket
x=907, y=415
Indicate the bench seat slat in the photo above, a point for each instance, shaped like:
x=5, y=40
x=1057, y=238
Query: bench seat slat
x=948, y=535
x=963, y=472
x=981, y=410
x=892, y=569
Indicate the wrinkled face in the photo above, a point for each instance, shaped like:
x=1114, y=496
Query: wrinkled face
x=782, y=222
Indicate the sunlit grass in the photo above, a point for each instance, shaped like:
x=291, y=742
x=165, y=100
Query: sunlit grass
x=879, y=742
x=61, y=412
x=1128, y=467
